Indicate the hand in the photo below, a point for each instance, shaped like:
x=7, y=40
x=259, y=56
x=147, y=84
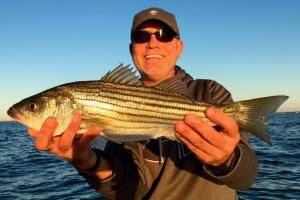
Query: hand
x=210, y=146
x=67, y=146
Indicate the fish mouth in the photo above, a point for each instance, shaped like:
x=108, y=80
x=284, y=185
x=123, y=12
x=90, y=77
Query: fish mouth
x=13, y=113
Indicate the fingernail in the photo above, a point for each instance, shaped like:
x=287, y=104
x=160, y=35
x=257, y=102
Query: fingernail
x=210, y=111
x=99, y=130
x=192, y=119
x=76, y=117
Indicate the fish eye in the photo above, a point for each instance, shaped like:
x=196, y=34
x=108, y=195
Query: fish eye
x=32, y=106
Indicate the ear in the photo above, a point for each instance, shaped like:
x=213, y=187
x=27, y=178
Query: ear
x=180, y=47
x=131, y=48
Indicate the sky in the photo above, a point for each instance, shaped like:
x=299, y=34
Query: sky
x=250, y=47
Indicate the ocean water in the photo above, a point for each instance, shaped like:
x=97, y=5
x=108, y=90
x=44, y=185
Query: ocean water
x=29, y=174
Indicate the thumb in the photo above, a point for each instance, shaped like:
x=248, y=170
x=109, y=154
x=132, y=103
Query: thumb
x=224, y=120
x=32, y=132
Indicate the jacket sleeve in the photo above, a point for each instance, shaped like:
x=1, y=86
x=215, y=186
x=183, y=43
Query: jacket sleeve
x=242, y=172
x=125, y=182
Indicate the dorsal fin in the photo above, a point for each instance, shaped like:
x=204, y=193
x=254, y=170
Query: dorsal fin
x=175, y=84
x=122, y=74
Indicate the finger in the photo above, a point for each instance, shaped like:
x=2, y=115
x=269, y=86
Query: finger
x=90, y=135
x=194, y=138
x=213, y=156
x=32, y=132
x=224, y=120
x=230, y=133
x=68, y=136
x=222, y=140
x=201, y=155
x=53, y=147
x=202, y=128
x=46, y=133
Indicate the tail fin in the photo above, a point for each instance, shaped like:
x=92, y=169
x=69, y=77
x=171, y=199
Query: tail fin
x=252, y=114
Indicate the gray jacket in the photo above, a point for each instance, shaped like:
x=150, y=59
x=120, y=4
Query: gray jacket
x=141, y=171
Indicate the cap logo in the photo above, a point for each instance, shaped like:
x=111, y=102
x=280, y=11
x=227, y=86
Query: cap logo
x=153, y=12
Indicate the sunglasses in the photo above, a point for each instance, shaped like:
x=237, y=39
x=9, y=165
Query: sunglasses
x=161, y=35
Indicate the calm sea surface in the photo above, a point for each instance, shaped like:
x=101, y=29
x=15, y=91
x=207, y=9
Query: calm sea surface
x=28, y=174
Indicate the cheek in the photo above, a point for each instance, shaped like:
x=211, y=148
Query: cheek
x=138, y=49
x=172, y=56
x=136, y=56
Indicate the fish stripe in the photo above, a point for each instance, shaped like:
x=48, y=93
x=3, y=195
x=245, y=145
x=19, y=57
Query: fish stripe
x=133, y=116
x=145, y=92
x=122, y=110
x=197, y=107
x=121, y=104
x=128, y=108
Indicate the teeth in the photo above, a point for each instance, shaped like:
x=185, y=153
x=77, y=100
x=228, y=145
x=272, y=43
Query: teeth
x=153, y=56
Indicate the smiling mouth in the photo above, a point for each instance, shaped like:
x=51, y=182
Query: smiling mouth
x=153, y=56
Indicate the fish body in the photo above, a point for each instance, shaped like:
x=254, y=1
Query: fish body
x=128, y=111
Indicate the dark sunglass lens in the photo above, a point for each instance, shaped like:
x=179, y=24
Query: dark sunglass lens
x=165, y=35
x=140, y=36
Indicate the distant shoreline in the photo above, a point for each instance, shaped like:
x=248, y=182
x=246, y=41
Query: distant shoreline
x=8, y=121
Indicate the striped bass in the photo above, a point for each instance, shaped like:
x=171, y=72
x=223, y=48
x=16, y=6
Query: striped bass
x=128, y=111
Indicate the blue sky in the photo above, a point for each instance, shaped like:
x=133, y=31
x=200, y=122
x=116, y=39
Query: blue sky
x=250, y=47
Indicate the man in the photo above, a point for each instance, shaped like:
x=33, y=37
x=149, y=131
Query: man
x=208, y=163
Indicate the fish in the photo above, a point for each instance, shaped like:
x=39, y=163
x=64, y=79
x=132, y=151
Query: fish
x=127, y=110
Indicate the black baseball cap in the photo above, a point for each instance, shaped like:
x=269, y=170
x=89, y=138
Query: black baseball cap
x=154, y=13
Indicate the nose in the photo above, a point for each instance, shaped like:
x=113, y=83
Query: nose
x=153, y=42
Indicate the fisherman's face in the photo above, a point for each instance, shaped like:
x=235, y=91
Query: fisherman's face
x=155, y=60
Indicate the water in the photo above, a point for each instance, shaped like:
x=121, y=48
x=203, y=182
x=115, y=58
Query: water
x=279, y=175
x=28, y=174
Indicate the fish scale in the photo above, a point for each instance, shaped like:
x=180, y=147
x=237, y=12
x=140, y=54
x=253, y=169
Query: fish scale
x=130, y=103
x=132, y=109
x=129, y=111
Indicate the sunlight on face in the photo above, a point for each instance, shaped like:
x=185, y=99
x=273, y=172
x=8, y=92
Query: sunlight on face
x=155, y=60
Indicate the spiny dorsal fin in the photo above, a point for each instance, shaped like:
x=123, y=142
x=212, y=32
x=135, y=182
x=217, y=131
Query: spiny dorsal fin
x=175, y=84
x=122, y=74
